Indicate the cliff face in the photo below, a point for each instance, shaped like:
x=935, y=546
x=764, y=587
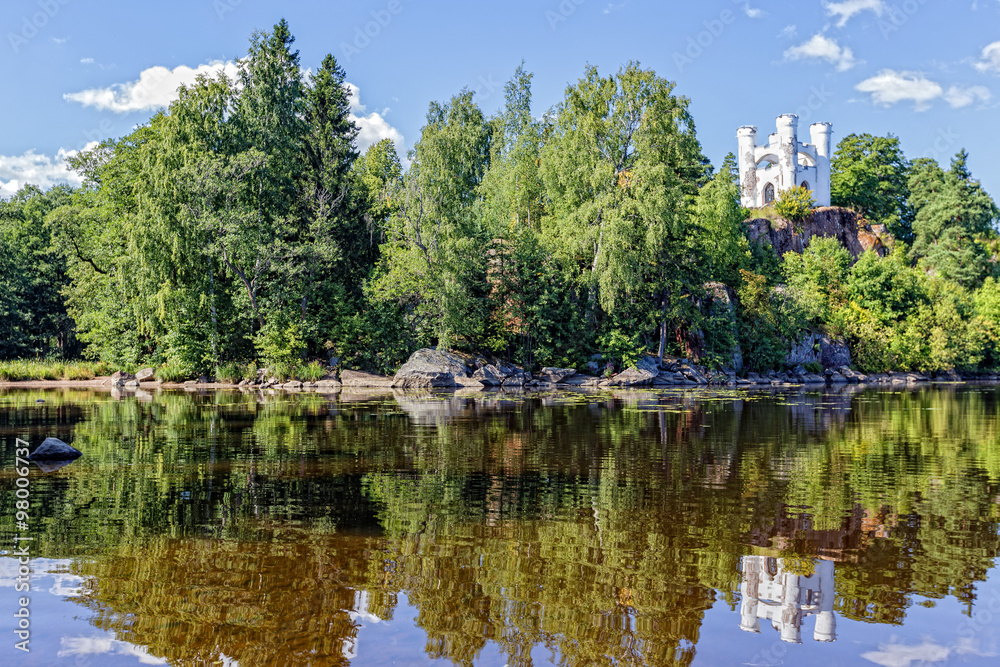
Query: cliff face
x=853, y=231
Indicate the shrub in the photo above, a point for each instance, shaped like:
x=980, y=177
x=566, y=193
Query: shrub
x=234, y=372
x=814, y=367
x=795, y=204
x=311, y=372
x=174, y=371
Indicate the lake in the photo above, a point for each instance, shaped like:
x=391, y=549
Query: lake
x=846, y=526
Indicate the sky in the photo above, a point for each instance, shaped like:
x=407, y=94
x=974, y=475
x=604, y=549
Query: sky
x=75, y=72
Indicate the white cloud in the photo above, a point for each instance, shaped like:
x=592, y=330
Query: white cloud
x=848, y=8
x=87, y=61
x=373, y=127
x=889, y=87
x=789, y=31
x=753, y=12
x=155, y=88
x=990, y=59
x=826, y=49
x=612, y=7
x=16, y=171
x=959, y=97
x=926, y=653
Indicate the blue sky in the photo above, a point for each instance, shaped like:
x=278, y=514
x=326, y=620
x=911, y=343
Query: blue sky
x=927, y=71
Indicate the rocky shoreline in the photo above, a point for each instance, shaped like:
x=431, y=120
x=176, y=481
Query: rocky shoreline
x=440, y=369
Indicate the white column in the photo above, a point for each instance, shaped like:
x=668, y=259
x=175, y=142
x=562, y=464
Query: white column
x=821, y=135
x=788, y=149
x=747, y=136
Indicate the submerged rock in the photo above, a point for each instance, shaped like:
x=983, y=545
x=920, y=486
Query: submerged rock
x=54, y=449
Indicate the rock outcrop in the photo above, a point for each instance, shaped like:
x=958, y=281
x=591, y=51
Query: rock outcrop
x=853, y=231
x=816, y=348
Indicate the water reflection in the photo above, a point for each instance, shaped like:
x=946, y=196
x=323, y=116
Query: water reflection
x=772, y=592
x=587, y=528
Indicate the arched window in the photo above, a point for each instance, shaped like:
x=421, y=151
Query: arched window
x=805, y=184
x=769, y=193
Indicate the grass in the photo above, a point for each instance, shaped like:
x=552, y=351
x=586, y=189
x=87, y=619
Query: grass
x=174, y=372
x=35, y=369
x=234, y=372
x=310, y=372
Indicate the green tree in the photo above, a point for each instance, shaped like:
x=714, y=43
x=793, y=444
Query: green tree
x=871, y=175
x=720, y=218
x=33, y=317
x=621, y=167
x=433, y=262
x=953, y=215
x=816, y=277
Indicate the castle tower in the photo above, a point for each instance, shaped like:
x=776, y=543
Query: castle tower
x=785, y=162
x=821, y=135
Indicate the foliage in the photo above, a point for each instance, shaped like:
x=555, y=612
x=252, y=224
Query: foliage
x=871, y=174
x=795, y=203
x=816, y=277
x=953, y=216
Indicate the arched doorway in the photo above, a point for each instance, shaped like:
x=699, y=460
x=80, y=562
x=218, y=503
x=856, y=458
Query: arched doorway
x=768, y=193
x=805, y=184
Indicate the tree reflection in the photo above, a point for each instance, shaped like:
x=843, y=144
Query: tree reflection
x=600, y=526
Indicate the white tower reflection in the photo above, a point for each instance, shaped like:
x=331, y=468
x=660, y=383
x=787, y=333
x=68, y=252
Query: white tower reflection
x=786, y=599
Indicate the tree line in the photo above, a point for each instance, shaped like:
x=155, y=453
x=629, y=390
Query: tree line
x=242, y=226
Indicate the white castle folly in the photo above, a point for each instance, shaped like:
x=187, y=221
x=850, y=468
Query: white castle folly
x=767, y=171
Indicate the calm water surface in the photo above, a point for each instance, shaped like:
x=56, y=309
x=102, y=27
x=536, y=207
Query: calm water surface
x=845, y=527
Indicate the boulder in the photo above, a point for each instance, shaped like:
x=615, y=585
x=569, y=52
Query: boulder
x=145, y=375
x=469, y=382
x=631, y=377
x=555, y=375
x=362, y=379
x=668, y=378
x=54, y=449
x=326, y=383
x=430, y=368
x=835, y=378
x=132, y=384
x=693, y=374
x=517, y=379
x=812, y=378
x=580, y=380
x=119, y=378
x=490, y=375
x=292, y=384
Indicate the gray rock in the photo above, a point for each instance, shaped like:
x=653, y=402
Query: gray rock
x=145, y=375
x=430, y=368
x=54, y=449
x=555, y=375
x=812, y=378
x=836, y=378
x=361, y=379
x=693, y=374
x=648, y=363
x=631, y=377
x=490, y=375
x=292, y=384
x=469, y=382
x=119, y=378
x=580, y=380
x=517, y=379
